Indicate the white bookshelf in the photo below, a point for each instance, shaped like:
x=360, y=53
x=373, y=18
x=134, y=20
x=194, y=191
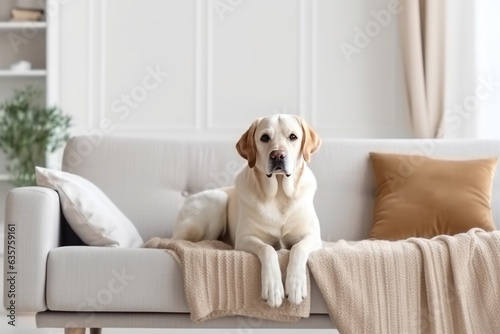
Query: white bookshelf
x=32, y=47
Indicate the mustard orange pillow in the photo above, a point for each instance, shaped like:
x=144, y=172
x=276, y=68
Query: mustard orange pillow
x=418, y=196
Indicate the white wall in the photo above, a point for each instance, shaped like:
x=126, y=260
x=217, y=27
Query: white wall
x=228, y=62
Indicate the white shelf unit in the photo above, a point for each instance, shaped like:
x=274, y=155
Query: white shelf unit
x=28, y=41
x=23, y=41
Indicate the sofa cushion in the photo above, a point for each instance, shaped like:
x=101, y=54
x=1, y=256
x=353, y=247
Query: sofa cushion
x=418, y=196
x=89, y=212
x=83, y=278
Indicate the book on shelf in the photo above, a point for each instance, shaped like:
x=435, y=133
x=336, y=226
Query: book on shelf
x=26, y=14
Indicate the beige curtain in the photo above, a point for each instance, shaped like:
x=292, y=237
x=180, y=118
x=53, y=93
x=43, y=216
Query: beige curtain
x=423, y=41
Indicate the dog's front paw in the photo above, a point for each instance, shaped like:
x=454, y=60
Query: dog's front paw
x=296, y=286
x=272, y=287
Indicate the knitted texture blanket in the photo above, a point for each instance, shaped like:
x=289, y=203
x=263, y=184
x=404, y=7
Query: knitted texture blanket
x=448, y=284
x=219, y=281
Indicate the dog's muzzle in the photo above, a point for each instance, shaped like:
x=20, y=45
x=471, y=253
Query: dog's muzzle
x=277, y=163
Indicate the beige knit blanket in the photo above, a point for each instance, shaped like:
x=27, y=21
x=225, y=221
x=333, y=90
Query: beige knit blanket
x=219, y=281
x=449, y=284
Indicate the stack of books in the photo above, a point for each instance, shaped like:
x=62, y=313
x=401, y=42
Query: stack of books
x=26, y=14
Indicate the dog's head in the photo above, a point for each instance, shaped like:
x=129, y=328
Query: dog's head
x=277, y=144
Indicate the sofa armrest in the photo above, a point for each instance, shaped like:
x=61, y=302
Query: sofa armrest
x=32, y=229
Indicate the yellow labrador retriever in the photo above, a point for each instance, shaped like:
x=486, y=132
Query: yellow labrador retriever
x=270, y=205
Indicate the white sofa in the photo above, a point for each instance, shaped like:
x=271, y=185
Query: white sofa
x=71, y=285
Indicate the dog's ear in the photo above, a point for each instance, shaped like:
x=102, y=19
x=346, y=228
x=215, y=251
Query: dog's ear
x=310, y=141
x=246, y=145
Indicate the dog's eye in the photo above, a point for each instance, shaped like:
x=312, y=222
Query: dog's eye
x=265, y=138
x=293, y=136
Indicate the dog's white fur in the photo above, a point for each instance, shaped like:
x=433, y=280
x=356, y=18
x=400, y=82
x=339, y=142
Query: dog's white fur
x=270, y=205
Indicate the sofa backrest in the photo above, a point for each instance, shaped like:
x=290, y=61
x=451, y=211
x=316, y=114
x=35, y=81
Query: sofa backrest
x=148, y=179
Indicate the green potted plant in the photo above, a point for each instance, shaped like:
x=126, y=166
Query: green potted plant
x=28, y=131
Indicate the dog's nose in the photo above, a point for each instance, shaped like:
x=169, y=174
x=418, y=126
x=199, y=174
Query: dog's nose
x=277, y=155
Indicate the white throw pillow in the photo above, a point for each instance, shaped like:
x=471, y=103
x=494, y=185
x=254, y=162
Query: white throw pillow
x=89, y=212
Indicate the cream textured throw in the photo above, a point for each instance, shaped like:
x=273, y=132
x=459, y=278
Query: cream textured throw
x=448, y=284
x=219, y=281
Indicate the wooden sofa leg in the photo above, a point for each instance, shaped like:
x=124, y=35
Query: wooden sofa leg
x=74, y=331
x=82, y=331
